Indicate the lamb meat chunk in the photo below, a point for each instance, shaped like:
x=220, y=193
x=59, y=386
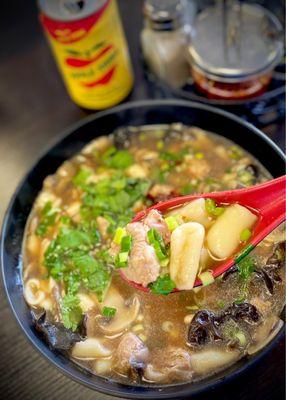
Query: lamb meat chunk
x=131, y=355
x=171, y=365
x=143, y=265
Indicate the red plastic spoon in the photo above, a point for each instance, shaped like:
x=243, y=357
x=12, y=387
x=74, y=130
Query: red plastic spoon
x=266, y=200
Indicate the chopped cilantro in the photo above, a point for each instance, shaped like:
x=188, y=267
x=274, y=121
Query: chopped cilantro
x=246, y=267
x=48, y=216
x=221, y=303
x=108, y=312
x=189, y=188
x=71, y=311
x=241, y=299
x=174, y=157
x=81, y=177
x=68, y=258
x=118, y=159
x=113, y=198
x=163, y=285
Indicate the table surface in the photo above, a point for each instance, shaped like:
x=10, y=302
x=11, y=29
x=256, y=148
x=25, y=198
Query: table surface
x=34, y=109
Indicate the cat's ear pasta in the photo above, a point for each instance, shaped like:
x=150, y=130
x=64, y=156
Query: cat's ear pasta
x=223, y=238
x=186, y=244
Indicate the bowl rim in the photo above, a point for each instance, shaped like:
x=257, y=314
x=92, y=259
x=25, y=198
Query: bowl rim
x=105, y=386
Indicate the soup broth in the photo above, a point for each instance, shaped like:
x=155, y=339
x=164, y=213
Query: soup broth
x=80, y=303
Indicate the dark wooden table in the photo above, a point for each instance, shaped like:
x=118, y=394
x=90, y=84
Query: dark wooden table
x=34, y=108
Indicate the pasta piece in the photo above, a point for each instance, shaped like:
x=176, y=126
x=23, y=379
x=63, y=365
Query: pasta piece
x=206, y=361
x=223, y=237
x=194, y=211
x=90, y=348
x=186, y=245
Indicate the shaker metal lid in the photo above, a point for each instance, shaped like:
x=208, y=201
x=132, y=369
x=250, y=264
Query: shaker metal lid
x=164, y=15
x=236, y=43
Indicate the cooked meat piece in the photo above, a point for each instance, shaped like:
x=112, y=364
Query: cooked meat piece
x=198, y=168
x=138, y=231
x=173, y=364
x=131, y=354
x=155, y=220
x=143, y=265
x=160, y=192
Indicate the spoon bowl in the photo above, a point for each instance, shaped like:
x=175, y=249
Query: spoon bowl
x=266, y=201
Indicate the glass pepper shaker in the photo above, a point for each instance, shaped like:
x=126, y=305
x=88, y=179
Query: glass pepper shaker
x=163, y=40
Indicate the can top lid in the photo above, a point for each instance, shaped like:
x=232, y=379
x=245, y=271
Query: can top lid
x=236, y=43
x=69, y=10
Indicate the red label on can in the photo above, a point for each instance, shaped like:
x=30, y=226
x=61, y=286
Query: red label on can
x=71, y=31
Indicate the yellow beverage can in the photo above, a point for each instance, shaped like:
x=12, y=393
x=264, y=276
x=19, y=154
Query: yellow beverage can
x=90, y=48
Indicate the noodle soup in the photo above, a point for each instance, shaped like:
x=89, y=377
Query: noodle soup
x=79, y=301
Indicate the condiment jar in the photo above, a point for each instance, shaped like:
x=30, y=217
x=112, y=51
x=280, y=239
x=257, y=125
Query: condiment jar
x=234, y=49
x=163, y=40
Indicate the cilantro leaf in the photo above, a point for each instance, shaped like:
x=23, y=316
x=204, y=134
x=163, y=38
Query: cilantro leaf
x=48, y=216
x=118, y=159
x=163, y=285
x=246, y=267
x=71, y=311
x=109, y=312
x=81, y=177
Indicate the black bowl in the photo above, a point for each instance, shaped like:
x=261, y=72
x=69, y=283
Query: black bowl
x=140, y=113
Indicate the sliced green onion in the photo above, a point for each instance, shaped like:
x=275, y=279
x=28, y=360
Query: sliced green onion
x=210, y=205
x=156, y=240
x=240, y=336
x=235, y=153
x=119, y=234
x=199, y=155
x=206, y=278
x=126, y=243
x=160, y=145
x=218, y=211
x=245, y=235
x=192, y=308
x=172, y=223
x=164, y=262
x=123, y=257
x=212, y=208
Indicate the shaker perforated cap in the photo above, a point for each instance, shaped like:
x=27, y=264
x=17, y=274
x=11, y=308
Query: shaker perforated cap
x=235, y=43
x=164, y=15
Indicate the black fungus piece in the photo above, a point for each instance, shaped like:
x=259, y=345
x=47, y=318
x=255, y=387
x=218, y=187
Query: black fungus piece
x=278, y=256
x=121, y=137
x=267, y=280
x=253, y=170
x=56, y=334
x=203, y=328
x=270, y=273
x=229, y=272
x=242, y=312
